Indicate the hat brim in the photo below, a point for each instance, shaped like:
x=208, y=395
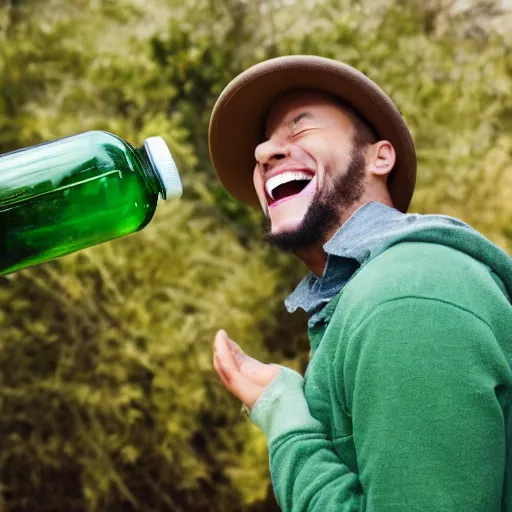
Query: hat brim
x=238, y=117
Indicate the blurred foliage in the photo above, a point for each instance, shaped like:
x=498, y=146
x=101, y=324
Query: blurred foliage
x=113, y=402
x=108, y=398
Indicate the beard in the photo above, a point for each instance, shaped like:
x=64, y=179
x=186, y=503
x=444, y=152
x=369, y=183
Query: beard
x=326, y=209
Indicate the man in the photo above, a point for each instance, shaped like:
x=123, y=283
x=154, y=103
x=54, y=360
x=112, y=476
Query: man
x=406, y=402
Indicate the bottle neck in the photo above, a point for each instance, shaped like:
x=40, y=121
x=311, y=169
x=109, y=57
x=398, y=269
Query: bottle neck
x=150, y=173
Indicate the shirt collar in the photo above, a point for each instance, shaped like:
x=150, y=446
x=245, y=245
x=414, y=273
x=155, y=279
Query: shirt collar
x=349, y=248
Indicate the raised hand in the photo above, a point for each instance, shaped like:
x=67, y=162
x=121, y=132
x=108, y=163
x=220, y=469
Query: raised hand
x=243, y=376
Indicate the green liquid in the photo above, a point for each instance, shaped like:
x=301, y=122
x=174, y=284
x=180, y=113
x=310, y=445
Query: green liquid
x=64, y=196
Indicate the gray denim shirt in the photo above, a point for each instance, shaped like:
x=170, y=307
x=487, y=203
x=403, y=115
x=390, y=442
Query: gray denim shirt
x=365, y=234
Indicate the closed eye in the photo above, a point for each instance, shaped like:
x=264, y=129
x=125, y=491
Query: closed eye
x=303, y=130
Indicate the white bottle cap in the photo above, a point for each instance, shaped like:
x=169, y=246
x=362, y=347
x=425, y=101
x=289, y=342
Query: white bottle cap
x=164, y=166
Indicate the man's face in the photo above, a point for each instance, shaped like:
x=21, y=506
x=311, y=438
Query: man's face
x=308, y=173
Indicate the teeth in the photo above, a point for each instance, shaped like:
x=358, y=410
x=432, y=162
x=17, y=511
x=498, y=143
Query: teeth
x=285, y=177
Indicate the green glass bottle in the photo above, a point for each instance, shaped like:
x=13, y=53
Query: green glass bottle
x=65, y=195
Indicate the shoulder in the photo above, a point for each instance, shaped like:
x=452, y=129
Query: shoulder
x=424, y=271
x=428, y=267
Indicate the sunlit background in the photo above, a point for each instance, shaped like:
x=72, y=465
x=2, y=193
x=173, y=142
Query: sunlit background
x=108, y=398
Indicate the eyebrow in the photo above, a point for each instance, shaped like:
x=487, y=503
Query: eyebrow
x=302, y=115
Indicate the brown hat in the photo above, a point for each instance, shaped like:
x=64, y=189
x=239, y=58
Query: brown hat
x=238, y=118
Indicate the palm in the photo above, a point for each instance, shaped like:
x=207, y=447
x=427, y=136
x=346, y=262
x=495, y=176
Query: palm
x=244, y=376
x=254, y=370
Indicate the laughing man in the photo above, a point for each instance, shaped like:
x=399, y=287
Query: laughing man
x=406, y=401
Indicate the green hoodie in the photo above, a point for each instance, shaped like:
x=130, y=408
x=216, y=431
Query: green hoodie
x=406, y=402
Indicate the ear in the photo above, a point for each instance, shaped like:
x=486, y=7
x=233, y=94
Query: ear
x=382, y=158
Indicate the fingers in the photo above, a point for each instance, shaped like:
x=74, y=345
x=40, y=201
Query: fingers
x=216, y=359
x=237, y=352
x=219, y=371
x=229, y=371
x=243, y=360
x=226, y=361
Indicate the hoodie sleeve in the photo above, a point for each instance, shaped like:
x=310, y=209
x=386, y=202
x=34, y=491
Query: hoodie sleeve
x=306, y=472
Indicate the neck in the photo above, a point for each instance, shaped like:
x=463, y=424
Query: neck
x=315, y=257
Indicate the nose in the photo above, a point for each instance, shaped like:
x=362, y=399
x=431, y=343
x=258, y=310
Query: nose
x=269, y=151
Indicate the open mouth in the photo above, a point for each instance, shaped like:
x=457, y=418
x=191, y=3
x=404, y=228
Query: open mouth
x=287, y=185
